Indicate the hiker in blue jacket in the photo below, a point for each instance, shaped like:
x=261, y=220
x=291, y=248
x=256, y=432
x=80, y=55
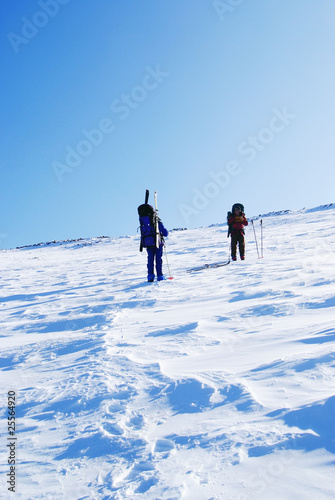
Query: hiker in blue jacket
x=156, y=253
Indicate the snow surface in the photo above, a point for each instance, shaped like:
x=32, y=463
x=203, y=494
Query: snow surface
x=217, y=385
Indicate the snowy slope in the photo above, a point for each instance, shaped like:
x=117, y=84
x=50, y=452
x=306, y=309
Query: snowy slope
x=217, y=385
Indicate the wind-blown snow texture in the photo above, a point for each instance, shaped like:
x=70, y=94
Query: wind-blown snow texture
x=214, y=385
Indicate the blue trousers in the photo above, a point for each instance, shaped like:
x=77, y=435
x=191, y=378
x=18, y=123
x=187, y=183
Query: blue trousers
x=155, y=253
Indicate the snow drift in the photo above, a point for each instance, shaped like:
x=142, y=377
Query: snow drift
x=216, y=385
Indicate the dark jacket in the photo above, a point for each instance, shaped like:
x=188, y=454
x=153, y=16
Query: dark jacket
x=237, y=222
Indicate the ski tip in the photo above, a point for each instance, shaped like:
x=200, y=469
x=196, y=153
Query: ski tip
x=170, y=278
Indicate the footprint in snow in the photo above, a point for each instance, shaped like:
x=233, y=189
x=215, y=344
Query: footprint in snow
x=112, y=428
x=163, y=446
x=136, y=422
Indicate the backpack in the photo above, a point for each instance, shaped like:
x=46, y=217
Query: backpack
x=147, y=216
x=229, y=214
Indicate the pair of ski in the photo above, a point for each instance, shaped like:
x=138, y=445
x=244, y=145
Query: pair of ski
x=156, y=214
x=208, y=266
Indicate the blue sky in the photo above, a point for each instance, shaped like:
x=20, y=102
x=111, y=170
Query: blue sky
x=208, y=102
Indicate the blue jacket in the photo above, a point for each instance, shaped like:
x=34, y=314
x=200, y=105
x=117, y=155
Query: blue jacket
x=162, y=230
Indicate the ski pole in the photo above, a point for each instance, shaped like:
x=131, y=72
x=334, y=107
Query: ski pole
x=156, y=221
x=261, y=238
x=170, y=277
x=252, y=222
x=229, y=251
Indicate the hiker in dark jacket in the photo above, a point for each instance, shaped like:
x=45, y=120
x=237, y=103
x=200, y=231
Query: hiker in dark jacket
x=155, y=253
x=236, y=222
